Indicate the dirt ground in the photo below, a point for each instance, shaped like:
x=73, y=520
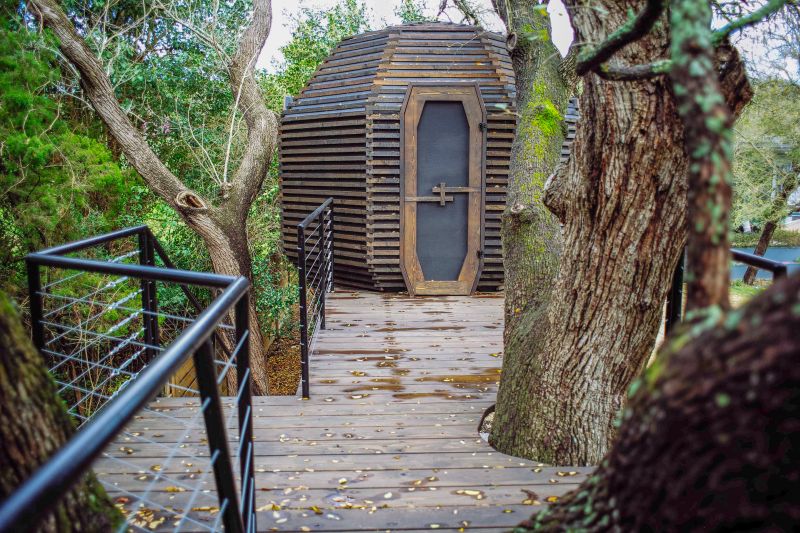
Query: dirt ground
x=283, y=362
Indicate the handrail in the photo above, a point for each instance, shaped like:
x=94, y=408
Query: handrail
x=53, y=479
x=315, y=280
x=675, y=295
x=777, y=268
x=42, y=490
x=315, y=213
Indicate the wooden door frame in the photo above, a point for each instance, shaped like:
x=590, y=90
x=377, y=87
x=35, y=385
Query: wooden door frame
x=470, y=97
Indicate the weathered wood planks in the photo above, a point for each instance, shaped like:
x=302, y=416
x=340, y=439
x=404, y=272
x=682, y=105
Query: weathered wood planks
x=404, y=458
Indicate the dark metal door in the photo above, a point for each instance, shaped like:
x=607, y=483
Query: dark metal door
x=442, y=164
x=442, y=189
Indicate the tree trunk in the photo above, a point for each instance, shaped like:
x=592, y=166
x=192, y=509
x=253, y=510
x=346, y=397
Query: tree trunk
x=622, y=199
x=531, y=234
x=34, y=425
x=761, y=248
x=228, y=247
x=707, y=121
x=223, y=227
x=777, y=212
x=710, y=440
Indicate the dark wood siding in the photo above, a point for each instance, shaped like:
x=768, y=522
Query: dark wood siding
x=323, y=152
x=341, y=138
x=435, y=53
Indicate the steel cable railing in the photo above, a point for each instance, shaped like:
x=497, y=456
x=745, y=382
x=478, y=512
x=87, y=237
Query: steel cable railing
x=114, y=363
x=315, y=280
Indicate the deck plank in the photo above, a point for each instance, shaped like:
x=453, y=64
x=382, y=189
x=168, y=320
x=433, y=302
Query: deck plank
x=388, y=440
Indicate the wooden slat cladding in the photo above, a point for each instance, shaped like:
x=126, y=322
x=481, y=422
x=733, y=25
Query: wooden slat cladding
x=341, y=138
x=446, y=54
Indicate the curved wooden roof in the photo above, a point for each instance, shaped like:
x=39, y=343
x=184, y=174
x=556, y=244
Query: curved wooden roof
x=341, y=137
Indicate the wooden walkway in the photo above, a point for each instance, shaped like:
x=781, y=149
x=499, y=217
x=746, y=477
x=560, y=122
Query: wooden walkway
x=389, y=438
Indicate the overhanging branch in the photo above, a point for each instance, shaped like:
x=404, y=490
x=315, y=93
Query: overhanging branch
x=771, y=7
x=634, y=29
x=262, y=125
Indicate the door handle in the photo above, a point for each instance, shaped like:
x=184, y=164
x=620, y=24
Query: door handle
x=441, y=190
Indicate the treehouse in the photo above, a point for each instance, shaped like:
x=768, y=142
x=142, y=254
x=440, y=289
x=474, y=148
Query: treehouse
x=409, y=129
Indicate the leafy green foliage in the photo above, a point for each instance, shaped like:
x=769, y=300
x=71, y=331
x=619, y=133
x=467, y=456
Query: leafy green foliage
x=58, y=179
x=410, y=11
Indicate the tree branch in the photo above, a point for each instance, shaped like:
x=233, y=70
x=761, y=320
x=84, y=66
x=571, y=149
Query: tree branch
x=262, y=124
x=771, y=7
x=100, y=92
x=631, y=31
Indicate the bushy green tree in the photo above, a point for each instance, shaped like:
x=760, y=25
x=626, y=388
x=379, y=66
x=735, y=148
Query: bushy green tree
x=410, y=11
x=58, y=180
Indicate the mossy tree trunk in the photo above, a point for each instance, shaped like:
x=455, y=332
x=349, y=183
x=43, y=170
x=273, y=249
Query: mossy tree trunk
x=710, y=439
x=34, y=424
x=622, y=199
x=531, y=233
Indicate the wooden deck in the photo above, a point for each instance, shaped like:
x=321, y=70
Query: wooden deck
x=389, y=438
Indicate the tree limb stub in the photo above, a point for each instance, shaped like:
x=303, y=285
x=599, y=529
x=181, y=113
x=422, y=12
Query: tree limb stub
x=635, y=28
x=189, y=201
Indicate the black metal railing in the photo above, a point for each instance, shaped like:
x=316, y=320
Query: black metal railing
x=97, y=322
x=675, y=295
x=315, y=280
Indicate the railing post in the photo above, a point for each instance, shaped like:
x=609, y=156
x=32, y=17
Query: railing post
x=675, y=297
x=323, y=266
x=301, y=267
x=34, y=292
x=245, y=406
x=217, y=438
x=149, y=296
x=333, y=241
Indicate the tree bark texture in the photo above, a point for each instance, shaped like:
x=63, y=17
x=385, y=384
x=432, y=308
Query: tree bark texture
x=761, y=248
x=531, y=234
x=34, y=424
x=222, y=225
x=710, y=440
x=622, y=201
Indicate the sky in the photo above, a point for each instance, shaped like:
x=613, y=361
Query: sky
x=382, y=14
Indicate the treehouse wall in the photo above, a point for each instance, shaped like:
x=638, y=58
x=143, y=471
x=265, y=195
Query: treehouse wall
x=341, y=137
